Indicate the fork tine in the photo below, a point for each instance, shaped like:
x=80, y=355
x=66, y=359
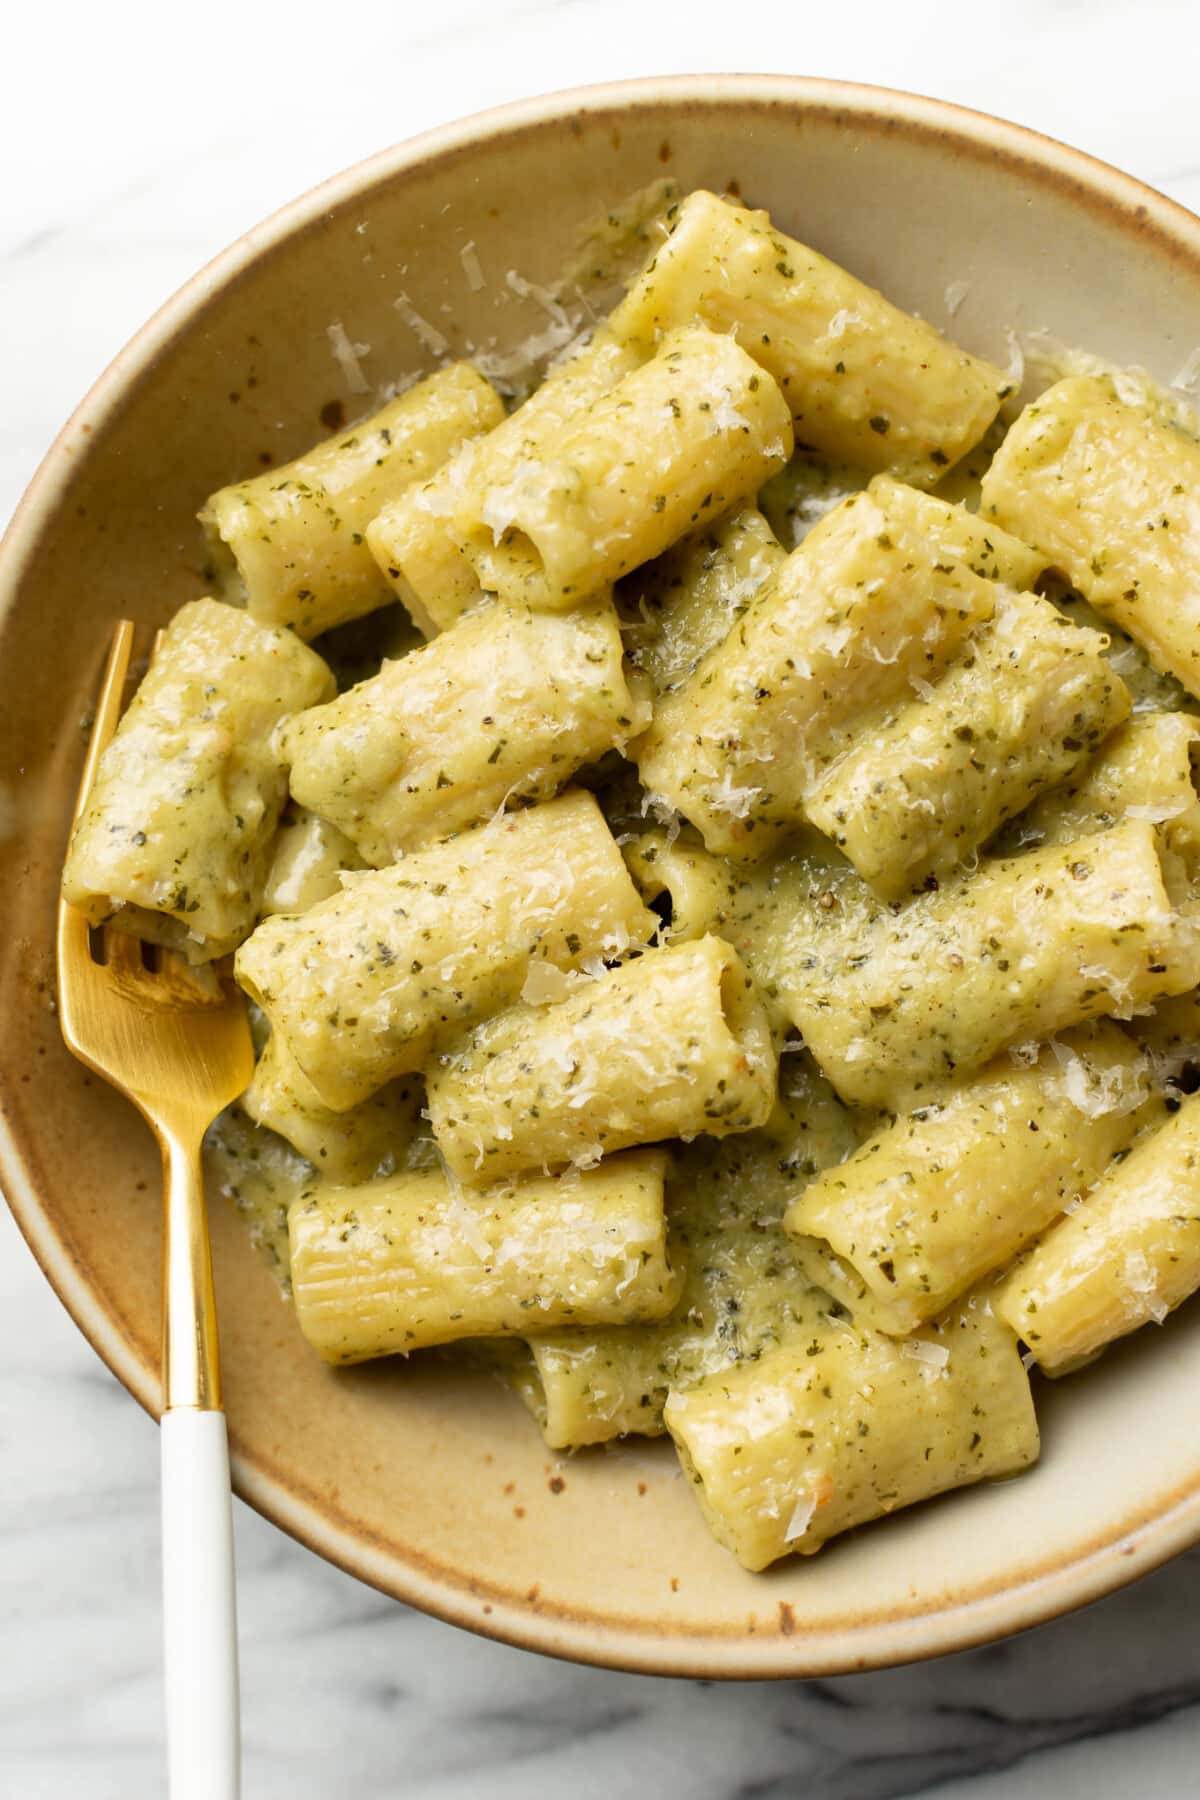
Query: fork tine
x=192, y=981
x=108, y=708
x=73, y=949
x=122, y=952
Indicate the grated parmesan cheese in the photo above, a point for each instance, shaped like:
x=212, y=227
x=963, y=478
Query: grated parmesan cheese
x=1015, y=370
x=725, y=796
x=546, y=298
x=801, y=1518
x=1097, y=1092
x=956, y=292
x=1157, y=815
x=346, y=356
x=426, y=333
x=1187, y=377
x=472, y=267
x=546, y=985
x=1139, y=1278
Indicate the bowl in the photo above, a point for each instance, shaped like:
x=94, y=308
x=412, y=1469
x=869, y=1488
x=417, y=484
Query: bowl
x=426, y=1481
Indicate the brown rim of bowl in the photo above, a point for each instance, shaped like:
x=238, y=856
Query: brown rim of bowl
x=1047, y=1590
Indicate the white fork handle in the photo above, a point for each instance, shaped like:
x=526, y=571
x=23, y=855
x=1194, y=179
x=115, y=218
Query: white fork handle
x=199, y=1621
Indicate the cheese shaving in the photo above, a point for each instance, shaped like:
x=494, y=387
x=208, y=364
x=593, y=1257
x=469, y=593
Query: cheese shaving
x=346, y=355
x=1187, y=376
x=1097, y=1092
x=426, y=334
x=1157, y=815
x=472, y=267
x=545, y=298
x=546, y=984
x=801, y=1518
x=956, y=292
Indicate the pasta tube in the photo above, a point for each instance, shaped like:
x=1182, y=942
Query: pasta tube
x=297, y=532
x=1029, y=945
x=367, y=985
x=784, y=915
x=700, y=887
x=175, y=842
x=844, y=1425
x=1112, y=498
x=1026, y=705
x=381, y=1134
x=419, y=541
x=940, y=1197
x=676, y=443
x=743, y=1285
x=1130, y=1253
x=1147, y=770
x=882, y=593
x=867, y=383
x=670, y=1045
x=409, y=1260
x=309, y=860
x=506, y=703
x=681, y=606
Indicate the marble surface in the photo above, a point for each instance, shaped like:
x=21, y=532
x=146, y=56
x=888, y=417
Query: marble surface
x=136, y=142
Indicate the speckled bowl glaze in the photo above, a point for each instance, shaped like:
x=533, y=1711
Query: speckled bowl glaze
x=427, y=1482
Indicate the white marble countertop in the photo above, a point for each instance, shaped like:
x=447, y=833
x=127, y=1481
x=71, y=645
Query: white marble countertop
x=136, y=142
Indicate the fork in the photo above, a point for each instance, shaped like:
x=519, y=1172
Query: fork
x=175, y=1041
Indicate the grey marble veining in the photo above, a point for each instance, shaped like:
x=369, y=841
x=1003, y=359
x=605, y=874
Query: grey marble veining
x=172, y=135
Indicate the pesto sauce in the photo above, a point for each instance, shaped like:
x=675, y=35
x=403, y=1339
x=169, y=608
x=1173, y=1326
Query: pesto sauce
x=744, y=1285
x=1153, y=690
x=261, y=1175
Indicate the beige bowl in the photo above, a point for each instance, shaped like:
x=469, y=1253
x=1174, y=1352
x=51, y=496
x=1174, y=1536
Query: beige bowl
x=431, y=1484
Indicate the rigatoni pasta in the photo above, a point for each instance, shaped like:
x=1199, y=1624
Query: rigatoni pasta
x=297, y=533
x=743, y=1287
x=670, y=1045
x=882, y=593
x=944, y=1195
x=843, y=1425
x=675, y=443
x=410, y=1260
x=420, y=540
x=681, y=606
x=1029, y=945
x=175, y=843
x=309, y=860
x=381, y=1134
x=506, y=704
x=919, y=792
x=1111, y=497
x=1147, y=770
x=1127, y=1254
x=867, y=383
x=367, y=985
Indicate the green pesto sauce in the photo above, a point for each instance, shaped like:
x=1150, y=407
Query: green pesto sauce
x=261, y=1175
x=743, y=1283
x=1152, y=690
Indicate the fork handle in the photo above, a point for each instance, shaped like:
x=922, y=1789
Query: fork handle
x=200, y=1627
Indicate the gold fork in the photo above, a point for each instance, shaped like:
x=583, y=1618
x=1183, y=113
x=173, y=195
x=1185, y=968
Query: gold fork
x=176, y=1042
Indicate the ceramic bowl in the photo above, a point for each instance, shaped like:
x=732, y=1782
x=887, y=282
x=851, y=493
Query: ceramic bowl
x=430, y=1483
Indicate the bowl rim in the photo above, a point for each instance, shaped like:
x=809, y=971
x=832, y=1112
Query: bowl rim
x=1172, y=1523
